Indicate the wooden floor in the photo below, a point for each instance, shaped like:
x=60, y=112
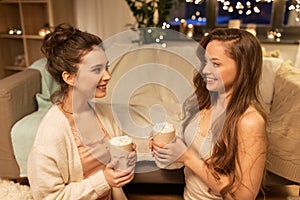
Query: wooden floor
x=174, y=192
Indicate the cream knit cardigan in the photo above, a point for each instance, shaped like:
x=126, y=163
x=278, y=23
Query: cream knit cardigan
x=54, y=166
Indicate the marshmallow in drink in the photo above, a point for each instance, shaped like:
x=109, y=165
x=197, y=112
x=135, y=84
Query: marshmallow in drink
x=163, y=132
x=123, y=142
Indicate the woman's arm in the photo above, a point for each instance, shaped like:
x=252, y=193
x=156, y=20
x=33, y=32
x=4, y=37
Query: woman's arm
x=252, y=154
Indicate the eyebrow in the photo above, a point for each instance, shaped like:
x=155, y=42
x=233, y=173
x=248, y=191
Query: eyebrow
x=212, y=59
x=100, y=65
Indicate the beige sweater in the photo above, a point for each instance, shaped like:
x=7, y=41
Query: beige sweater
x=54, y=166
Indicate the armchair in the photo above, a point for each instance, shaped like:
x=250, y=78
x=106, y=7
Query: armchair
x=17, y=99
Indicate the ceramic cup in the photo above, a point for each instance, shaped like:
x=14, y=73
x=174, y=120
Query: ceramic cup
x=163, y=132
x=120, y=147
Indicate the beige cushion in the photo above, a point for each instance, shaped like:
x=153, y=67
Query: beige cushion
x=270, y=67
x=284, y=127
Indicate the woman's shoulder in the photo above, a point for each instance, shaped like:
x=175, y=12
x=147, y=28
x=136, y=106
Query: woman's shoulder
x=53, y=124
x=252, y=132
x=54, y=116
x=252, y=121
x=252, y=115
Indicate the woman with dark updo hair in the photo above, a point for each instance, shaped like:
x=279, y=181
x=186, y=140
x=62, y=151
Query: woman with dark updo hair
x=70, y=156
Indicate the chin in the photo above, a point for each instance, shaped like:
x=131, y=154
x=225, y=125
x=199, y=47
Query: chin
x=211, y=89
x=98, y=96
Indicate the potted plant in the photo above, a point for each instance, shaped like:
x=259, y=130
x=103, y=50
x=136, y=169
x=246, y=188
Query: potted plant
x=151, y=15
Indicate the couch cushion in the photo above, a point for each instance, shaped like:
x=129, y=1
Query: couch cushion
x=270, y=67
x=49, y=86
x=23, y=135
x=284, y=127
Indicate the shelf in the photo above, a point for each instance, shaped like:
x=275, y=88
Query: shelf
x=34, y=1
x=9, y=1
x=36, y=37
x=29, y=16
x=7, y=36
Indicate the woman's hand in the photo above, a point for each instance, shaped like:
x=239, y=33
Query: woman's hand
x=169, y=153
x=132, y=158
x=117, y=178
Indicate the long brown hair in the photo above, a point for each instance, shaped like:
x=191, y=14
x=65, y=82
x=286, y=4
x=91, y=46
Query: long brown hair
x=246, y=51
x=64, y=48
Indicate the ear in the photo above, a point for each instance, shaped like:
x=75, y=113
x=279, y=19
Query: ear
x=68, y=78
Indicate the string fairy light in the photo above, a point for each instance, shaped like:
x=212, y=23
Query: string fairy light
x=248, y=8
x=296, y=7
x=195, y=1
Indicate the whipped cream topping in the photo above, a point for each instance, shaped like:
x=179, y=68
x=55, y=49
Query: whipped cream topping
x=121, y=140
x=163, y=127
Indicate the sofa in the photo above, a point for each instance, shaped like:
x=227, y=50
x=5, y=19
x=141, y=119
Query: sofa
x=24, y=98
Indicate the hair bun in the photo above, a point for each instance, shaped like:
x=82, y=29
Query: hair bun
x=56, y=38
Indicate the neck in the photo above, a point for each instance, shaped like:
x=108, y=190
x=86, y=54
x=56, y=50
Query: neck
x=76, y=102
x=72, y=103
x=224, y=98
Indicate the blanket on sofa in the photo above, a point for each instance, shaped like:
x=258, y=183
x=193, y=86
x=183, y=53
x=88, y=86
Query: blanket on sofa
x=23, y=132
x=284, y=127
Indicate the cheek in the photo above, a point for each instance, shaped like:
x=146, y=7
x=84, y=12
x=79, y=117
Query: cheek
x=88, y=78
x=228, y=77
x=87, y=83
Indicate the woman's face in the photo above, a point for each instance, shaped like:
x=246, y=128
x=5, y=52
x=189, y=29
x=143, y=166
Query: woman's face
x=93, y=75
x=220, y=70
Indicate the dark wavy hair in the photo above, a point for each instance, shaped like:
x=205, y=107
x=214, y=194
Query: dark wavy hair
x=246, y=51
x=64, y=48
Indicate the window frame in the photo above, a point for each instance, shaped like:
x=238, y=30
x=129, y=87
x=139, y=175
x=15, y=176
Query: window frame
x=290, y=34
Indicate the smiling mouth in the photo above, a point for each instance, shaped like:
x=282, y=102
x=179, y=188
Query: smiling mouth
x=210, y=80
x=102, y=87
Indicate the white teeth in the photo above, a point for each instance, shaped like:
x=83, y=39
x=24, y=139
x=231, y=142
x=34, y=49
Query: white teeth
x=101, y=87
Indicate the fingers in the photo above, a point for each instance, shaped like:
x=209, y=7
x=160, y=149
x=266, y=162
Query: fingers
x=131, y=159
x=150, y=145
x=130, y=169
x=131, y=162
x=158, y=147
x=132, y=155
x=122, y=178
x=134, y=146
x=158, y=144
x=162, y=153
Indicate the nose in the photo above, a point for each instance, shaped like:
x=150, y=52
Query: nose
x=106, y=75
x=207, y=68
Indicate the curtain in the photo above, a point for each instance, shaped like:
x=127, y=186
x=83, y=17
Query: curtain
x=104, y=18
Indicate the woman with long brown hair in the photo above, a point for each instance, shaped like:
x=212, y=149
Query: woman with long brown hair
x=224, y=144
